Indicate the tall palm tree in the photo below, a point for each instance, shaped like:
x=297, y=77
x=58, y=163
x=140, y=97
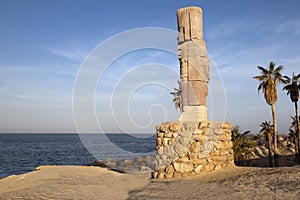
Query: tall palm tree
x=268, y=81
x=292, y=87
x=268, y=132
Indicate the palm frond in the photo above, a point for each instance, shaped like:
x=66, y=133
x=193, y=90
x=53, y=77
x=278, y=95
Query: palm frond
x=260, y=77
x=261, y=86
x=278, y=69
x=263, y=70
x=245, y=133
x=271, y=66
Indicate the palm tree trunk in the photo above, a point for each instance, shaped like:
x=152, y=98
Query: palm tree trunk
x=297, y=131
x=270, y=150
x=275, y=135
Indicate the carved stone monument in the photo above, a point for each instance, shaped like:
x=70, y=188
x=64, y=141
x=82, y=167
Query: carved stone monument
x=194, y=64
x=192, y=145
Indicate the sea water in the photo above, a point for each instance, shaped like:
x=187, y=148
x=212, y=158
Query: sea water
x=21, y=153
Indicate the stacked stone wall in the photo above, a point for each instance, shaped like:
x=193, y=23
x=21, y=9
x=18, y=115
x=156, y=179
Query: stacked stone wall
x=191, y=148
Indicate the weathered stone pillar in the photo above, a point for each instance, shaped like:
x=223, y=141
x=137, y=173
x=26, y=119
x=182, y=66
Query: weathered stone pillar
x=192, y=145
x=194, y=64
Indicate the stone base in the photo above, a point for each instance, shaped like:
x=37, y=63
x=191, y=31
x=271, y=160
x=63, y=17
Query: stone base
x=191, y=148
x=193, y=114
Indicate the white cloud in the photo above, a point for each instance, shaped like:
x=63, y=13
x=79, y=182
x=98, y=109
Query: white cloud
x=73, y=54
x=291, y=26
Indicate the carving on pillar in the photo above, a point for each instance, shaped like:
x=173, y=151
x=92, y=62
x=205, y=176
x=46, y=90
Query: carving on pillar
x=194, y=63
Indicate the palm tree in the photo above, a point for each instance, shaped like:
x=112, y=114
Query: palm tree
x=268, y=132
x=292, y=87
x=294, y=135
x=268, y=81
x=243, y=146
x=177, y=97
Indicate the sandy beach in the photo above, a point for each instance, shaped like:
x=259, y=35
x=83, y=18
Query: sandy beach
x=78, y=182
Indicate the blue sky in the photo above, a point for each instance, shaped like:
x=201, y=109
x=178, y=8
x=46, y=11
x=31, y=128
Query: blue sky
x=43, y=44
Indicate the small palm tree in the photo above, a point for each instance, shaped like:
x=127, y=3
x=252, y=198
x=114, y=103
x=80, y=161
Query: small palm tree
x=243, y=146
x=177, y=97
x=292, y=138
x=268, y=81
x=294, y=134
x=292, y=87
x=268, y=132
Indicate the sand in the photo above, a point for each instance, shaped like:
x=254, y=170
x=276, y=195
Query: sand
x=71, y=182
x=77, y=182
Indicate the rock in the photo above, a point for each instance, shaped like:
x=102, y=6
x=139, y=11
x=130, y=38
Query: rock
x=154, y=174
x=138, y=159
x=97, y=163
x=169, y=171
x=224, y=152
x=158, y=127
x=219, y=159
x=161, y=175
x=230, y=159
x=164, y=128
x=193, y=156
x=158, y=142
x=209, y=160
x=226, y=125
x=197, y=170
x=165, y=141
x=198, y=132
x=166, y=162
x=160, y=135
x=168, y=150
x=164, y=157
x=208, y=167
x=208, y=145
x=218, y=166
x=218, y=132
x=175, y=127
x=223, y=145
x=145, y=169
x=202, y=125
x=200, y=138
x=168, y=134
x=214, y=153
x=210, y=132
x=195, y=147
x=175, y=134
x=171, y=142
x=125, y=163
x=224, y=137
x=183, y=167
x=184, y=159
x=179, y=148
x=109, y=162
x=160, y=150
x=177, y=175
x=199, y=162
x=184, y=141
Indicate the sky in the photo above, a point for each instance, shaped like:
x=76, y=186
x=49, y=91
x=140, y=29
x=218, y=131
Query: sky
x=44, y=45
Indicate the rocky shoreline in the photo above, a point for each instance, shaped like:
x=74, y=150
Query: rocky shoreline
x=136, y=165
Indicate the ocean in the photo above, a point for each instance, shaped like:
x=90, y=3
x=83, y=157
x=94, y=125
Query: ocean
x=21, y=153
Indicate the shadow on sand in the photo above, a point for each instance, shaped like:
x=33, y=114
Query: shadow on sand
x=262, y=161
